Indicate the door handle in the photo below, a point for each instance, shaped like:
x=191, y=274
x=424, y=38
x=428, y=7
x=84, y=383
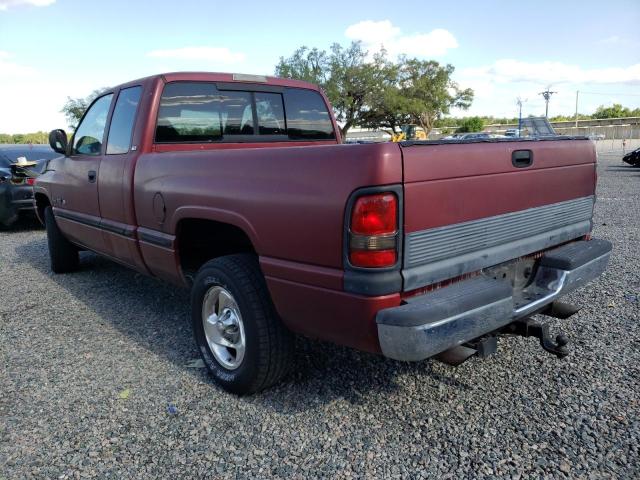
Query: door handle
x=92, y=176
x=522, y=158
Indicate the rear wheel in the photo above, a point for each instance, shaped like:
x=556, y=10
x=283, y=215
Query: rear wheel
x=242, y=341
x=62, y=253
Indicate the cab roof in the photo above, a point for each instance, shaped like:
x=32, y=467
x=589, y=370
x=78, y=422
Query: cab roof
x=223, y=77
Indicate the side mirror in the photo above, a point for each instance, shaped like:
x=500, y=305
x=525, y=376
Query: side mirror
x=58, y=141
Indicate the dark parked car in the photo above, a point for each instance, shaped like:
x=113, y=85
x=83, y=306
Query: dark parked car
x=632, y=158
x=19, y=165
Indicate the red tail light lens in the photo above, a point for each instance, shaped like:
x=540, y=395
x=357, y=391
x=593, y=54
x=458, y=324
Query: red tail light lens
x=31, y=181
x=375, y=214
x=373, y=231
x=373, y=258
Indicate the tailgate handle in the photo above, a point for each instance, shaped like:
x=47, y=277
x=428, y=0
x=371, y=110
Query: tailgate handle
x=522, y=158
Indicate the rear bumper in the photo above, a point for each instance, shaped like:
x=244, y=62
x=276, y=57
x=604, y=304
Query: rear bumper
x=432, y=323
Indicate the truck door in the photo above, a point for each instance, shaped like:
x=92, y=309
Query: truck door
x=114, y=184
x=76, y=207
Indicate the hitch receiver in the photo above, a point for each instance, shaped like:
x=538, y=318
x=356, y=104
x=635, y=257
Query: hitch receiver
x=480, y=347
x=527, y=327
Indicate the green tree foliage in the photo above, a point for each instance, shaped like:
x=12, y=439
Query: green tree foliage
x=430, y=91
x=309, y=65
x=471, y=124
x=23, y=138
x=355, y=84
x=374, y=91
x=348, y=79
x=74, y=108
x=615, y=111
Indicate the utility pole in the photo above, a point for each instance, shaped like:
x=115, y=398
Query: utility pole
x=577, y=93
x=519, y=102
x=547, y=95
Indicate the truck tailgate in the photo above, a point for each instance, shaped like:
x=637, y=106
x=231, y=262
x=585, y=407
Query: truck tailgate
x=467, y=206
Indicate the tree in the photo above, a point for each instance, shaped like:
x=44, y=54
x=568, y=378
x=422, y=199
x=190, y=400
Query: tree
x=615, y=111
x=350, y=81
x=471, y=124
x=74, y=108
x=372, y=91
x=430, y=91
x=355, y=85
x=310, y=65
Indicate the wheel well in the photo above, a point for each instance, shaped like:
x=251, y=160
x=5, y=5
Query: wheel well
x=199, y=241
x=42, y=202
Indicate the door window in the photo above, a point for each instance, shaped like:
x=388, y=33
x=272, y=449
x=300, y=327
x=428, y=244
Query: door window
x=90, y=133
x=124, y=114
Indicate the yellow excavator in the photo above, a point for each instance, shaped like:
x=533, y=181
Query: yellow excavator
x=409, y=132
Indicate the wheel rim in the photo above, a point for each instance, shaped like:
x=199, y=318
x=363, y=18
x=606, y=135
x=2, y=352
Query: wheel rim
x=223, y=327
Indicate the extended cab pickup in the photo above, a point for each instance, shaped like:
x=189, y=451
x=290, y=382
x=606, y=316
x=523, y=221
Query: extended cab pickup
x=240, y=188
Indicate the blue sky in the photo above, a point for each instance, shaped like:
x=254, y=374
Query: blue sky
x=50, y=49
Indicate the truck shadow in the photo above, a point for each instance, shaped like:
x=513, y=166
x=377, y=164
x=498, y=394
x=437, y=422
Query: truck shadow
x=24, y=223
x=156, y=316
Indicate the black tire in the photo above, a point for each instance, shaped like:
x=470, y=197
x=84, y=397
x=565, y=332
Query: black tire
x=62, y=253
x=269, y=345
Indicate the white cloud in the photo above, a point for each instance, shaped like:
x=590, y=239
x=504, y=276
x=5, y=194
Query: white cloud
x=375, y=35
x=212, y=54
x=6, y=4
x=497, y=86
x=508, y=71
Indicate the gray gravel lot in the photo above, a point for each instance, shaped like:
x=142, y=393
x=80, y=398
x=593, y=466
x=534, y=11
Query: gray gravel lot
x=92, y=360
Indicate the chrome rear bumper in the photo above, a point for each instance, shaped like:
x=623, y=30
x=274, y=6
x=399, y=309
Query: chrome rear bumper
x=439, y=320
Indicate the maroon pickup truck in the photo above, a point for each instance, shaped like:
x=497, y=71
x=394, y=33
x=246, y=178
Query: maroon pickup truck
x=239, y=188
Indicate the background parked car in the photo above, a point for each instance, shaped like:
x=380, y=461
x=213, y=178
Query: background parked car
x=16, y=190
x=596, y=136
x=477, y=135
x=632, y=158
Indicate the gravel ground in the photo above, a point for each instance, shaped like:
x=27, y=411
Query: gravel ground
x=98, y=379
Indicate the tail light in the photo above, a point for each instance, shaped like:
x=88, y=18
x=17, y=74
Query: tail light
x=373, y=231
x=31, y=181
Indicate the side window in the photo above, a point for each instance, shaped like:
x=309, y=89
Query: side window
x=307, y=115
x=198, y=112
x=89, y=134
x=270, y=114
x=124, y=114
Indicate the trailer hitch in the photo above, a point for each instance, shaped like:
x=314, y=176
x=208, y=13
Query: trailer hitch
x=527, y=327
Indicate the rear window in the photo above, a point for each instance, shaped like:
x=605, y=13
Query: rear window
x=307, y=115
x=197, y=112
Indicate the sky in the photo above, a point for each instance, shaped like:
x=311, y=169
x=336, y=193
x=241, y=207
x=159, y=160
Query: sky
x=52, y=49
